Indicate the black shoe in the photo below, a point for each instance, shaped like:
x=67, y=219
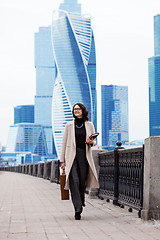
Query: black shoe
x=77, y=215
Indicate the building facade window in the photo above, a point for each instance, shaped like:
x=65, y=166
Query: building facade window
x=114, y=115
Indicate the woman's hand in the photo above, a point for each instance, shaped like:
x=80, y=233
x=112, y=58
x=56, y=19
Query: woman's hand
x=63, y=166
x=89, y=141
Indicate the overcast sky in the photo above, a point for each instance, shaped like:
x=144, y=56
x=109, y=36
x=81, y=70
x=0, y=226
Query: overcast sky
x=124, y=40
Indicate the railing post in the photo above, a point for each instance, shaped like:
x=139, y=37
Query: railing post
x=116, y=172
x=141, y=182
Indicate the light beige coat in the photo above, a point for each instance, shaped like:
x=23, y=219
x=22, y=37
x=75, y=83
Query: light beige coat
x=68, y=153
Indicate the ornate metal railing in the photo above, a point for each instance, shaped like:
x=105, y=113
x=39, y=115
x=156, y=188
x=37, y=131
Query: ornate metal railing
x=106, y=175
x=57, y=172
x=48, y=170
x=121, y=177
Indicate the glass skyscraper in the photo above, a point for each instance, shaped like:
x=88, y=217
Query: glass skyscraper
x=74, y=52
x=24, y=114
x=45, y=80
x=157, y=35
x=114, y=117
x=154, y=82
x=27, y=137
x=37, y=137
x=71, y=6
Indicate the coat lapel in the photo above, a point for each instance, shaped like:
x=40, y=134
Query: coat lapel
x=87, y=130
x=73, y=131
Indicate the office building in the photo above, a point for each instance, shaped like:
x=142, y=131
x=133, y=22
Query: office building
x=70, y=6
x=154, y=82
x=27, y=137
x=45, y=80
x=74, y=51
x=36, y=137
x=24, y=114
x=157, y=35
x=114, y=115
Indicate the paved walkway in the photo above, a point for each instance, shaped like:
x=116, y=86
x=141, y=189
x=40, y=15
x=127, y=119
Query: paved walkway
x=31, y=209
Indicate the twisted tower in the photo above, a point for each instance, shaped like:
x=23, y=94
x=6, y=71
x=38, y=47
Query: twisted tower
x=71, y=39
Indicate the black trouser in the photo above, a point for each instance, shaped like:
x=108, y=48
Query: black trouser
x=77, y=178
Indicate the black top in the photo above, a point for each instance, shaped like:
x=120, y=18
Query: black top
x=80, y=133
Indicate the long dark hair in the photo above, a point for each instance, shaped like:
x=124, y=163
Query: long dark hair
x=84, y=111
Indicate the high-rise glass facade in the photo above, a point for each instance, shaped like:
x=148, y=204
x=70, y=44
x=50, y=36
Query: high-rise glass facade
x=71, y=6
x=91, y=69
x=154, y=82
x=27, y=137
x=45, y=80
x=157, y=35
x=114, y=103
x=24, y=114
x=74, y=52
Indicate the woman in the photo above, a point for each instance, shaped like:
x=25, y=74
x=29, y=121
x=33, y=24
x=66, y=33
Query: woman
x=76, y=155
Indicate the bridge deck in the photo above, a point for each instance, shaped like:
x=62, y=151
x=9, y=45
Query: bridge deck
x=30, y=208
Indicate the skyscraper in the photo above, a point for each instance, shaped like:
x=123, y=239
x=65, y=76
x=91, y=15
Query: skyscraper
x=27, y=137
x=70, y=6
x=114, y=115
x=74, y=52
x=154, y=82
x=37, y=138
x=157, y=35
x=24, y=114
x=45, y=80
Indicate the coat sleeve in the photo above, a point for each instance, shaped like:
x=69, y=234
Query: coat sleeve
x=94, y=141
x=93, y=131
x=64, y=142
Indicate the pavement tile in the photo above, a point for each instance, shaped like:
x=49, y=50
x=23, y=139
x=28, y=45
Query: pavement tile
x=4, y=229
x=35, y=229
x=3, y=236
x=73, y=229
x=17, y=228
x=140, y=235
x=63, y=236
x=54, y=230
x=30, y=208
x=50, y=224
x=81, y=236
x=92, y=230
x=17, y=236
x=154, y=236
x=36, y=236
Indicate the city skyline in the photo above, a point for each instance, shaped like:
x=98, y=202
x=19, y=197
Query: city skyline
x=123, y=44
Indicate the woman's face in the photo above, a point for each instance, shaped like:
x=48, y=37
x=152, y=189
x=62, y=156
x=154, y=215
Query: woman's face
x=77, y=111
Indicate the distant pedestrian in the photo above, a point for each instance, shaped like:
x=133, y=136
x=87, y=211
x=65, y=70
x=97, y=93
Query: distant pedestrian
x=76, y=156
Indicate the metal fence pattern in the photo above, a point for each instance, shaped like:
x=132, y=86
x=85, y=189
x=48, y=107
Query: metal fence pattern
x=106, y=175
x=121, y=177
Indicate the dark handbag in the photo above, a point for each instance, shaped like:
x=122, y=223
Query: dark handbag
x=64, y=193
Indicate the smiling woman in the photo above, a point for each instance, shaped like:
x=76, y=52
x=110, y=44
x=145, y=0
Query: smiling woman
x=77, y=111
x=76, y=157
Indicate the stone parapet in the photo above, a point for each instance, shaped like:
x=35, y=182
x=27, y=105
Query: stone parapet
x=151, y=192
